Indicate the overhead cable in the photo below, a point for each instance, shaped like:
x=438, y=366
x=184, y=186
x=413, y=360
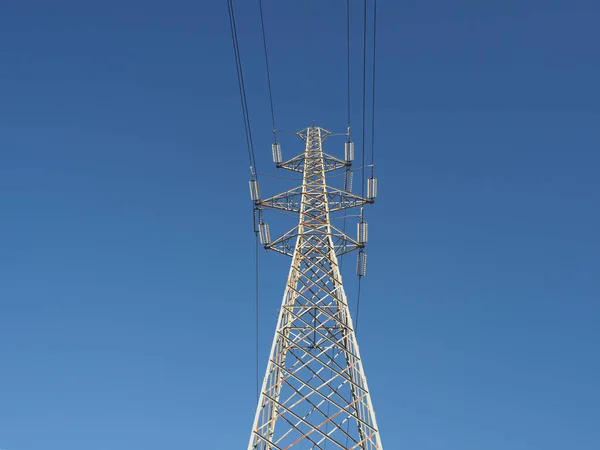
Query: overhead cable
x=373, y=93
x=242, y=88
x=264, y=36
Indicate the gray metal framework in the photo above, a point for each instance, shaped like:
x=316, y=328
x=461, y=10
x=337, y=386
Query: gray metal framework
x=314, y=394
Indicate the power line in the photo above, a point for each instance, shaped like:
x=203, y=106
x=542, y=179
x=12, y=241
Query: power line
x=373, y=94
x=364, y=115
x=357, y=306
x=348, y=58
x=264, y=36
x=349, y=96
x=257, y=311
x=266, y=174
x=253, y=170
x=308, y=44
x=364, y=96
x=242, y=88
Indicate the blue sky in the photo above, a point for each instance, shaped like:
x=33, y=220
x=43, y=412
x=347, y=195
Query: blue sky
x=126, y=263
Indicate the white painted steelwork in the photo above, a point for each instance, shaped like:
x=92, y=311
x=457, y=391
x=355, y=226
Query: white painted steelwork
x=315, y=394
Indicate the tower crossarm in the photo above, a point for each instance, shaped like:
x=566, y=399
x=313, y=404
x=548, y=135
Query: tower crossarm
x=339, y=199
x=291, y=200
x=330, y=163
x=342, y=242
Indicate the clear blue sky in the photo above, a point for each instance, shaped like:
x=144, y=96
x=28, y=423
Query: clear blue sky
x=126, y=274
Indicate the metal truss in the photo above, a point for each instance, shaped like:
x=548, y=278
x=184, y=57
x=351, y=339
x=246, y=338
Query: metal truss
x=314, y=394
x=342, y=243
x=330, y=163
x=292, y=200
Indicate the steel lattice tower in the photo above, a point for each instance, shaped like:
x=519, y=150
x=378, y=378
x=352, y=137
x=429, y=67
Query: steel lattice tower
x=314, y=394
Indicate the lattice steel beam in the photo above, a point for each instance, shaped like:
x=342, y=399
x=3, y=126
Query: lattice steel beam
x=314, y=394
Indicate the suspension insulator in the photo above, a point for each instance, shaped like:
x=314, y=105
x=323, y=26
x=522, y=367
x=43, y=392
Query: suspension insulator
x=361, y=264
x=276, y=152
x=362, y=232
x=254, y=191
x=348, y=181
x=372, y=188
x=349, y=151
x=265, y=233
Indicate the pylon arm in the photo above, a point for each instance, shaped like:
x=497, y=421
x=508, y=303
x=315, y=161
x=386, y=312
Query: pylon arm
x=330, y=163
x=290, y=200
x=340, y=199
x=285, y=243
x=342, y=243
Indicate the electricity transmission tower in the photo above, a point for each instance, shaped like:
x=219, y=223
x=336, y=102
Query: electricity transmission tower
x=314, y=394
